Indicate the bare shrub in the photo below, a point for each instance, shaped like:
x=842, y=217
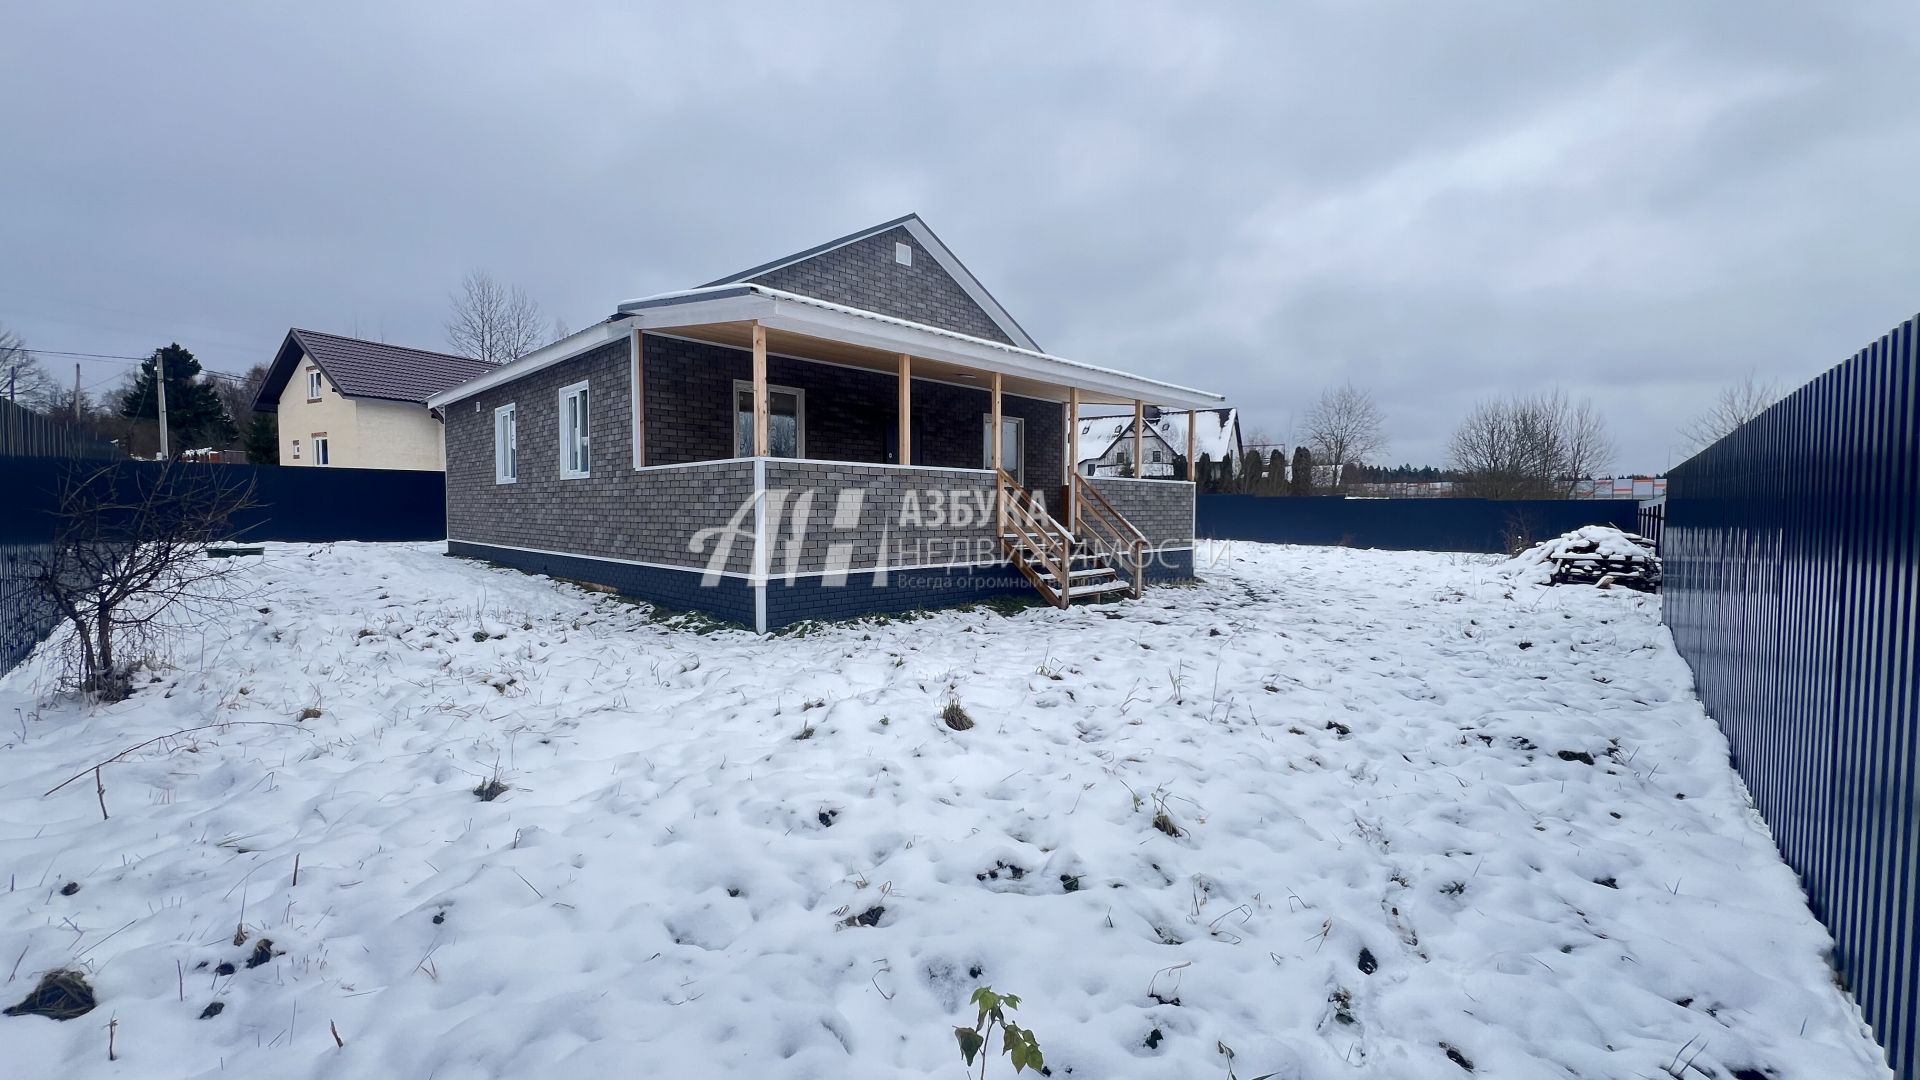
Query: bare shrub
x=128, y=561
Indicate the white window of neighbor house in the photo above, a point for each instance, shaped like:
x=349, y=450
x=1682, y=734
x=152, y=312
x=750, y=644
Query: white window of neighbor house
x=313, y=386
x=506, y=449
x=320, y=455
x=576, y=449
x=786, y=420
x=902, y=254
x=1156, y=459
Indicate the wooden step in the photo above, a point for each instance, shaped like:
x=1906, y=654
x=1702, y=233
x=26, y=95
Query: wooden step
x=1095, y=590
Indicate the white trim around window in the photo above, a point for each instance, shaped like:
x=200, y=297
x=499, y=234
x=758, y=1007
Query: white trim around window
x=313, y=384
x=321, y=446
x=506, y=444
x=576, y=427
x=743, y=386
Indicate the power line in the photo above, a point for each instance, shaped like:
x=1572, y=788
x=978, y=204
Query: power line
x=32, y=351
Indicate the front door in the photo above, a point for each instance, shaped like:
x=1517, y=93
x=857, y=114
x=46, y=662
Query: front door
x=1013, y=446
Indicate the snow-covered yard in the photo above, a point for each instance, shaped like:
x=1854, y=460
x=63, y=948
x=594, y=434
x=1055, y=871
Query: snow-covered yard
x=1413, y=820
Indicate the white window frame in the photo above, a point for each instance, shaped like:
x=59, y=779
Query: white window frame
x=322, y=449
x=506, y=444
x=314, y=386
x=1020, y=441
x=580, y=440
x=745, y=386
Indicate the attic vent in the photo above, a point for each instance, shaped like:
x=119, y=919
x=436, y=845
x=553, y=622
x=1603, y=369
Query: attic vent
x=902, y=254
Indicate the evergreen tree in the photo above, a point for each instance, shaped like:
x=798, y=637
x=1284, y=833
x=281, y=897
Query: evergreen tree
x=1277, y=472
x=1250, y=472
x=262, y=439
x=1208, y=485
x=1302, y=471
x=195, y=416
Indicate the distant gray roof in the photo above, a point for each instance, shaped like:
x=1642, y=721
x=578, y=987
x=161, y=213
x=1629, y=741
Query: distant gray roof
x=367, y=369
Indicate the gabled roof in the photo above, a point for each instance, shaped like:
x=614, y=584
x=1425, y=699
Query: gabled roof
x=1216, y=433
x=366, y=369
x=942, y=255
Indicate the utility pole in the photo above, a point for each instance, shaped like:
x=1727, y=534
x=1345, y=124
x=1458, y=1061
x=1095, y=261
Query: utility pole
x=76, y=391
x=160, y=385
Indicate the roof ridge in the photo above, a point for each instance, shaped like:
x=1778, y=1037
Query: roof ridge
x=389, y=345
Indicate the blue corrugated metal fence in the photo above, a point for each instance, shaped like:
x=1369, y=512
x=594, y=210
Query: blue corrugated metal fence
x=1791, y=590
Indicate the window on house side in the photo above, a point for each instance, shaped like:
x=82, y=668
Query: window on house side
x=296, y=449
x=576, y=456
x=506, y=448
x=313, y=386
x=902, y=254
x=320, y=456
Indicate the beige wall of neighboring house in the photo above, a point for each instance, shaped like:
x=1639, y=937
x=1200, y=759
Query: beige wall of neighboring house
x=361, y=433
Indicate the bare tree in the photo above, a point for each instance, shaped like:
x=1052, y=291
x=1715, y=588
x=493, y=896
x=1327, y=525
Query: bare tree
x=1732, y=406
x=493, y=322
x=1344, y=428
x=24, y=379
x=128, y=559
x=1529, y=446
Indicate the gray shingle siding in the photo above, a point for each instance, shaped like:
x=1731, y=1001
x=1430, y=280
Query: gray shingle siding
x=1160, y=509
x=615, y=512
x=851, y=414
x=864, y=275
x=894, y=517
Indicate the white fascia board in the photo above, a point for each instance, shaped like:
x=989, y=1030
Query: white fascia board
x=855, y=329
x=545, y=357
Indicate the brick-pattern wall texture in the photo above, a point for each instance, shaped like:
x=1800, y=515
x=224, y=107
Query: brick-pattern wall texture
x=851, y=415
x=649, y=516
x=1160, y=509
x=857, y=517
x=865, y=275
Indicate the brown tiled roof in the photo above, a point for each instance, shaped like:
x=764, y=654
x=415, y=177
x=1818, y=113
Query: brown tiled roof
x=368, y=369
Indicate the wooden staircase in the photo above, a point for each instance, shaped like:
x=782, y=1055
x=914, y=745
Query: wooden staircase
x=1107, y=555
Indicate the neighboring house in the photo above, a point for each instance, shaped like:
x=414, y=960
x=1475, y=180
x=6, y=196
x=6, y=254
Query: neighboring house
x=1106, y=442
x=347, y=403
x=814, y=437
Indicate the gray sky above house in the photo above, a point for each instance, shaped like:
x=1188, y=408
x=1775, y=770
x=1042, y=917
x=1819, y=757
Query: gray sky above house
x=1438, y=202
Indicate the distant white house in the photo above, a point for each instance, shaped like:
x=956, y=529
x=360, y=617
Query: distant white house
x=1106, y=442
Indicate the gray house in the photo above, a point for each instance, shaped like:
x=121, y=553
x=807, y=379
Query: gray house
x=856, y=428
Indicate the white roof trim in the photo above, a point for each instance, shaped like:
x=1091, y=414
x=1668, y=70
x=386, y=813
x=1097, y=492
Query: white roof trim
x=780, y=310
x=820, y=318
x=942, y=255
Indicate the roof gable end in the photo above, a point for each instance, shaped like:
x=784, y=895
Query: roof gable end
x=366, y=369
x=861, y=270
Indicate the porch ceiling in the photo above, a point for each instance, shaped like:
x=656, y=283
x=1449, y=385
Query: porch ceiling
x=813, y=329
x=799, y=346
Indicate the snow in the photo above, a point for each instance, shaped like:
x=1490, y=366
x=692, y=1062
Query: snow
x=1358, y=750
x=1536, y=566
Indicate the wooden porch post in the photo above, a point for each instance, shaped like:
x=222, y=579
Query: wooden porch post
x=906, y=410
x=760, y=411
x=1073, y=456
x=1191, y=467
x=1139, y=438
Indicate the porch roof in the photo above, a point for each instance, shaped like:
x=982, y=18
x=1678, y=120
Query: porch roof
x=809, y=329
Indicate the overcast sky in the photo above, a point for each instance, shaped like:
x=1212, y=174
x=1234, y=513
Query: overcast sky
x=1439, y=202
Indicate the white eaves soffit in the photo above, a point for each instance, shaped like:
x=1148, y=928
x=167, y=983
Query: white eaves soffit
x=819, y=319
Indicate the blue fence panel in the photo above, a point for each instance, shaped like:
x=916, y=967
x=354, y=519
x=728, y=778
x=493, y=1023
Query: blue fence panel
x=290, y=504
x=1790, y=589
x=293, y=504
x=1484, y=525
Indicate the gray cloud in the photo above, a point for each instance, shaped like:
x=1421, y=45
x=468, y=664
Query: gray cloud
x=1438, y=202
